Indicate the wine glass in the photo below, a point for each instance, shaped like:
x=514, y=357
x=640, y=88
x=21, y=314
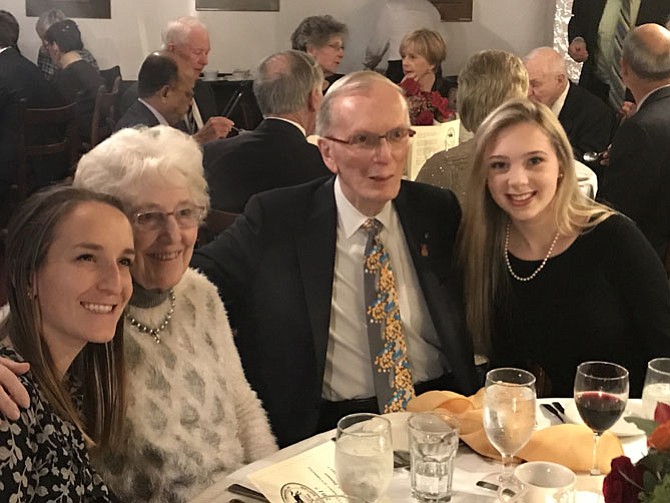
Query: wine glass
x=364, y=455
x=509, y=418
x=656, y=386
x=601, y=393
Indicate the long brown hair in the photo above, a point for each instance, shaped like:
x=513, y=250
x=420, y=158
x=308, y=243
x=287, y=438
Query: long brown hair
x=98, y=367
x=482, y=232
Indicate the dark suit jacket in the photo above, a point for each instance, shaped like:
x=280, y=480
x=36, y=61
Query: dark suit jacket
x=274, y=155
x=137, y=114
x=588, y=122
x=274, y=270
x=584, y=23
x=19, y=79
x=202, y=93
x=637, y=180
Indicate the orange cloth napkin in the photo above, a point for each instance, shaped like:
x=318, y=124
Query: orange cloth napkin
x=570, y=445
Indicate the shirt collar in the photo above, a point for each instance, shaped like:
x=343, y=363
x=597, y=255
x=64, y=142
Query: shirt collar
x=157, y=114
x=350, y=218
x=3, y=49
x=644, y=98
x=302, y=129
x=560, y=101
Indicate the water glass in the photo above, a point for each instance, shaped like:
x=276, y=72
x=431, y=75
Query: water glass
x=656, y=386
x=364, y=455
x=433, y=442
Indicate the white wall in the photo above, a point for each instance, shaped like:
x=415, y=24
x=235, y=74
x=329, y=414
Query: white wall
x=241, y=39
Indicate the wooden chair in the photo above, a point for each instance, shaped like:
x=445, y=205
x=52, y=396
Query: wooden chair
x=216, y=222
x=102, y=123
x=43, y=134
x=110, y=75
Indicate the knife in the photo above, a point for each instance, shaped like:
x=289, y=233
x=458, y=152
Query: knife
x=551, y=409
x=245, y=491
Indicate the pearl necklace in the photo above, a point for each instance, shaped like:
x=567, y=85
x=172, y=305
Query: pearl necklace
x=154, y=331
x=540, y=267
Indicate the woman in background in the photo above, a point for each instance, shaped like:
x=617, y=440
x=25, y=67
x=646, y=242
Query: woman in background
x=488, y=79
x=322, y=37
x=553, y=278
x=68, y=284
x=423, y=52
x=77, y=79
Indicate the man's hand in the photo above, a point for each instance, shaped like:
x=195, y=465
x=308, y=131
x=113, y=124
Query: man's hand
x=627, y=110
x=12, y=392
x=577, y=50
x=215, y=127
x=605, y=159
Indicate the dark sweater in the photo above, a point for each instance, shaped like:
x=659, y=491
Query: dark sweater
x=604, y=298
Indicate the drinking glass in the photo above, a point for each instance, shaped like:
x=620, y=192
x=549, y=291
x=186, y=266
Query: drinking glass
x=656, y=386
x=433, y=442
x=509, y=418
x=601, y=393
x=364, y=455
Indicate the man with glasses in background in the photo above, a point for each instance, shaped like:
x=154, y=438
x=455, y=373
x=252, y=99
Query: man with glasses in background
x=343, y=290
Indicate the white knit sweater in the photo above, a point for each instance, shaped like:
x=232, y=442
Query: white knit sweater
x=191, y=412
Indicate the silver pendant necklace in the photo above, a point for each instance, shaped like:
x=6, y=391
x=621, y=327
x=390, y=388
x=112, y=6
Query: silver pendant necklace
x=154, y=332
x=539, y=268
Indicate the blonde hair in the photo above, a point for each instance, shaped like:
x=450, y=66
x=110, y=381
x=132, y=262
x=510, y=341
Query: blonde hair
x=482, y=233
x=488, y=79
x=426, y=43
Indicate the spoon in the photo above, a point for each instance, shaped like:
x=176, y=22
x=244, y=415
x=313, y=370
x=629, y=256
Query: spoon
x=593, y=156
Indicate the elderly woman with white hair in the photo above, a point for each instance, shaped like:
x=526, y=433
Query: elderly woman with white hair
x=191, y=413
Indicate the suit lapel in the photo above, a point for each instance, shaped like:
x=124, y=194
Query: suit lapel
x=316, y=256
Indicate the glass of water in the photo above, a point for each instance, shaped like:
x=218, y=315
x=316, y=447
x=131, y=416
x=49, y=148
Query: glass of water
x=656, y=386
x=364, y=455
x=509, y=418
x=433, y=442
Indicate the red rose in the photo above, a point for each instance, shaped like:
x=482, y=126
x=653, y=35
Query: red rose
x=410, y=86
x=425, y=118
x=662, y=413
x=660, y=437
x=617, y=486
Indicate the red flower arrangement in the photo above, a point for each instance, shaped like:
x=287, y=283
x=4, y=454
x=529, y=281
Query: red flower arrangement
x=425, y=107
x=648, y=481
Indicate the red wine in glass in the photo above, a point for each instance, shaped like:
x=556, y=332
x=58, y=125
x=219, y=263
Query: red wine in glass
x=601, y=393
x=599, y=410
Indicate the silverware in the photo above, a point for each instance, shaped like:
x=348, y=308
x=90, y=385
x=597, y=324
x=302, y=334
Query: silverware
x=559, y=407
x=555, y=412
x=593, y=156
x=493, y=487
x=400, y=459
x=245, y=491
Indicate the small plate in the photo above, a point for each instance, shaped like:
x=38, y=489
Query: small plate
x=621, y=428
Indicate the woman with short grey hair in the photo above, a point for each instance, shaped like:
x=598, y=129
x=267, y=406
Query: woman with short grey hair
x=322, y=37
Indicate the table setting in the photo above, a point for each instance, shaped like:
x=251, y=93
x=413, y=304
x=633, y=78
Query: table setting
x=447, y=447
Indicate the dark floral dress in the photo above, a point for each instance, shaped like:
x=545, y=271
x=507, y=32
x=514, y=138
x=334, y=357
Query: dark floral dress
x=43, y=457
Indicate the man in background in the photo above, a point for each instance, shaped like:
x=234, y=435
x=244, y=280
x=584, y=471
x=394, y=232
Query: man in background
x=637, y=180
x=588, y=122
x=288, y=89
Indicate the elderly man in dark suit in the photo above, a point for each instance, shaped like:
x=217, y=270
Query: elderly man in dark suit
x=588, y=122
x=637, y=180
x=288, y=89
x=19, y=80
x=591, y=35
x=164, y=94
x=342, y=290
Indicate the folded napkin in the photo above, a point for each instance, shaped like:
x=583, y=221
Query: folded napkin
x=570, y=445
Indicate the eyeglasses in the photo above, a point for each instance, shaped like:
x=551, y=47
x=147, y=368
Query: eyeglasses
x=369, y=141
x=187, y=217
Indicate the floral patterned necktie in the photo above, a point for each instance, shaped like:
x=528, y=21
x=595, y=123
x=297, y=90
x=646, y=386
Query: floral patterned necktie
x=388, y=350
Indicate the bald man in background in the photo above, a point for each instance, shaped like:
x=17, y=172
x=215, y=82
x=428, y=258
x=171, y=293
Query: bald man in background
x=588, y=122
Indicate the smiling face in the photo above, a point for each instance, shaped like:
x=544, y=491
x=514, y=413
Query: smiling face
x=84, y=283
x=369, y=177
x=329, y=56
x=523, y=173
x=163, y=254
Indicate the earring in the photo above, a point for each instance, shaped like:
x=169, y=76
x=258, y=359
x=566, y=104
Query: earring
x=560, y=175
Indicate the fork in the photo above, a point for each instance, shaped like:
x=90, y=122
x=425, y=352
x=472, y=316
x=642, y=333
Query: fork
x=554, y=411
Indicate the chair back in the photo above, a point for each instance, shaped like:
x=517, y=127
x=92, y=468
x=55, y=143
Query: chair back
x=102, y=123
x=46, y=132
x=215, y=223
x=110, y=75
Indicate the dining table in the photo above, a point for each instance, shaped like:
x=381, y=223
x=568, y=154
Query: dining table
x=469, y=468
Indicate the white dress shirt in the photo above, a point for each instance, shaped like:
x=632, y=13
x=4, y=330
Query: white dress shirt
x=348, y=373
x=157, y=114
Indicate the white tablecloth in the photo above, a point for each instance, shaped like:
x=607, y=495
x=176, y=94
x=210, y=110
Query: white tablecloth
x=470, y=467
